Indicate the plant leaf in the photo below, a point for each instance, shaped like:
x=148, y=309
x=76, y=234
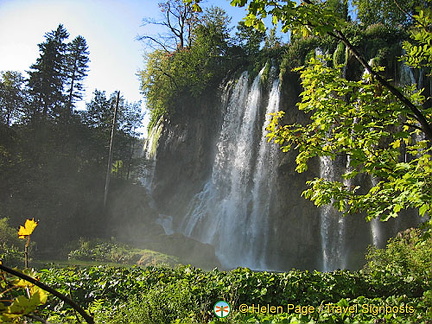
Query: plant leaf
x=27, y=229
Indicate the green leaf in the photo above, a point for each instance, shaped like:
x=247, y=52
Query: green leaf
x=424, y=209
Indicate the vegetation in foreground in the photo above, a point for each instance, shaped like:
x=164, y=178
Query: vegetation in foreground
x=393, y=287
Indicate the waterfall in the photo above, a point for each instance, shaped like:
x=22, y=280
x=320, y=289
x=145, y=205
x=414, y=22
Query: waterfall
x=332, y=225
x=219, y=181
x=378, y=239
x=263, y=179
x=149, y=153
x=231, y=211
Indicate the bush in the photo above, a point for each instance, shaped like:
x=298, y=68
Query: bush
x=11, y=247
x=161, y=304
x=103, y=251
x=186, y=295
x=407, y=256
x=116, y=252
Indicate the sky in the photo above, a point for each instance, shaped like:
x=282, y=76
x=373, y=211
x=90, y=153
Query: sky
x=110, y=28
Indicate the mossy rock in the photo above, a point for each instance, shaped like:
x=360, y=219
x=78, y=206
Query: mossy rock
x=152, y=258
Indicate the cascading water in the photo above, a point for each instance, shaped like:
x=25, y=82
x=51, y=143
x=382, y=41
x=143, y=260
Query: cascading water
x=231, y=211
x=221, y=183
x=263, y=179
x=149, y=153
x=378, y=239
x=332, y=227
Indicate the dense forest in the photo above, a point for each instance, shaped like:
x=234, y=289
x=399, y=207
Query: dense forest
x=57, y=165
x=54, y=157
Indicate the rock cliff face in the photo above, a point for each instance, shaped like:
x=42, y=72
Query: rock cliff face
x=218, y=181
x=184, y=153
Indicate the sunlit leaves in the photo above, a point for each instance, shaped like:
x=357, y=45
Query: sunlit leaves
x=194, y=5
x=304, y=18
x=27, y=229
x=238, y=3
x=22, y=297
x=112, y=291
x=419, y=49
x=188, y=70
x=363, y=123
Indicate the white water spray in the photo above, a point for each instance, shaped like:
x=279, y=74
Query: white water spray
x=231, y=211
x=149, y=153
x=332, y=227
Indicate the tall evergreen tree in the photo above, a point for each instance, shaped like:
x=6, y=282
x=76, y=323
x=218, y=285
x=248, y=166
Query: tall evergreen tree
x=249, y=38
x=99, y=111
x=76, y=70
x=47, y=78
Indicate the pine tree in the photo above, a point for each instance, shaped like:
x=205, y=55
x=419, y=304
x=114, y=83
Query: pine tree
x=47, y=78
x=76, y=70
x=99, y=111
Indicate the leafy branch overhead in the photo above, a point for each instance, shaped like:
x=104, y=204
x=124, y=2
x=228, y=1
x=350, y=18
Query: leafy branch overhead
x=349, y=120
x=381, y=129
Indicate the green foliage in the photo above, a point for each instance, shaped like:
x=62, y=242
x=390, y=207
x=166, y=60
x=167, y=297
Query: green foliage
x=361, y=121
x=187, y=295
x=157, y=84
x=11, y=254
x=55, y=173
x=55, y=78
x=8, y=234
x=100, y=114
x=408, y=256
x=103, y=251
x=169, y=76
x=298, y=53
x=53, y=168
x=249, y=38
x=47, y=79
x=419, y=50
x=340, y=55
x=99, y=117
x=116, y=252
x=387, y=11
x=19, y=298
x=382, y=44
x=162, y=304
x=76, y=69
x=13, y=97
x=306, y=18
x=11, y=248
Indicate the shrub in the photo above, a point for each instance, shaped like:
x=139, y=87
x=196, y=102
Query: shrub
x=11, y=247
x=407, y=256
x=115, y=252
x=161, y=304
x=103, y=251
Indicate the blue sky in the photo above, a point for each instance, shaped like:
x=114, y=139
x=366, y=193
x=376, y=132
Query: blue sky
x=110, y=28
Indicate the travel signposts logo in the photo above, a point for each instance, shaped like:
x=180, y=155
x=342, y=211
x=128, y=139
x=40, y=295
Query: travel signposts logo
x=222, y=309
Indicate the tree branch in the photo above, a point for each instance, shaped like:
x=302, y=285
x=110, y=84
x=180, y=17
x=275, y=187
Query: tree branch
x=156, y=41
x=426, y=127
x=89, y=319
